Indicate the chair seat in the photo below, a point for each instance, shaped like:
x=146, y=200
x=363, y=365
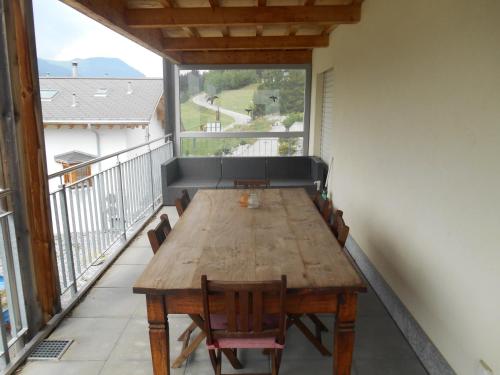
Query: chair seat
x=246, y=343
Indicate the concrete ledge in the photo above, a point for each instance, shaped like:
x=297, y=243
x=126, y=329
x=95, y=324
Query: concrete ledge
x=429, y=355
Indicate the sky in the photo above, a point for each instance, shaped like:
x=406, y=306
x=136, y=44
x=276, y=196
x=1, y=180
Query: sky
x=63, y=33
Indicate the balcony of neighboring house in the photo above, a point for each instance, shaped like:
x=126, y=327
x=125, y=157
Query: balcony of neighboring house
x=343, y=150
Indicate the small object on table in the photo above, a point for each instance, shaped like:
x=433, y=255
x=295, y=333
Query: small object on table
x=253, y=200
x=244, y=199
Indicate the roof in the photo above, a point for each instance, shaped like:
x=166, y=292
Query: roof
x=114, y=105
x=73, y=157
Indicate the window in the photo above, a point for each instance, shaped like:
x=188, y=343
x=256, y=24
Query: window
x=47, y=95
x=101, y=93
x=326, y=150
x=243, y=112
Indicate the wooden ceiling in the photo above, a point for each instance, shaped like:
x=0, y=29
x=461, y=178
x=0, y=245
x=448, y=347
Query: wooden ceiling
x=225, y=31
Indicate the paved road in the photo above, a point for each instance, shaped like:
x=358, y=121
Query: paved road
x=239, y=118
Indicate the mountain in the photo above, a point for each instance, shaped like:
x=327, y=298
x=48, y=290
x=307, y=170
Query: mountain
x=94, y=67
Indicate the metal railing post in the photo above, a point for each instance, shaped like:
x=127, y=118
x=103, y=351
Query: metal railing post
x=122, y=201
x=67, y=238
x=152, y=178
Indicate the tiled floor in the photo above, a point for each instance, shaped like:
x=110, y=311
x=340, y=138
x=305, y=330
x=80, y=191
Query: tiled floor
x=110, y=334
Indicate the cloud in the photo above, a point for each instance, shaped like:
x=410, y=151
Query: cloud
x=62, y=33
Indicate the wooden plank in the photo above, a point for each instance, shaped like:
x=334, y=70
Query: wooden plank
x=199, y=17
x=35, y=191
x=217, y=237
x=112, y=15
x=243, y=57
x=214, y=3
x=235, y=43
x=262, y=3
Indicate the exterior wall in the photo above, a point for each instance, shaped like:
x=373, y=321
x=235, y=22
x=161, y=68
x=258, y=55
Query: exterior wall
x=58, y=141
x=416, y=170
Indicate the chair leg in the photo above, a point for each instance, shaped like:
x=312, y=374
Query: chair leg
x=317, y=322
x=218, y=370
x=274, y=362
x=186, y=352
x=213, y=359
x=310, y=336
x=187, y=332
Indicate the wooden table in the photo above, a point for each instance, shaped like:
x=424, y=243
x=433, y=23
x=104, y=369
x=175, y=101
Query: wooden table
x=217, y=237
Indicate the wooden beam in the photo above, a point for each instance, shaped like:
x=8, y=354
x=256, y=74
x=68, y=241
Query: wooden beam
x=238, y=43
x=243, y=16
x=167, y=3
x=292, y=30
x=32, y=163
x=192, y=31
x=214, y=3
x=259, y=30
x=224, y=31
x=243, y=57
x=309, y=2
x=111, y=13
x=262, y=3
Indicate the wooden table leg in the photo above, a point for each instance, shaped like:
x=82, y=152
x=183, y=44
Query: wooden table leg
x=158, y=334
x=344, y=334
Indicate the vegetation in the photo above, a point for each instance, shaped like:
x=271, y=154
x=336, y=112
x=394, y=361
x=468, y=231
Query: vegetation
x=292, y=118
x=287, y=85
x=216, y=81
x=287, y=146
x=193, y=117
x=238, y=100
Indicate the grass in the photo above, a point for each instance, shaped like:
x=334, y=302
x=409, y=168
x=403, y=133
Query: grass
x=238, y=100
x=193, y=116
x=258, y=125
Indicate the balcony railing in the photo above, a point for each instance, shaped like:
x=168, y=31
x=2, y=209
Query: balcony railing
x=13, y=323
x=96, y=215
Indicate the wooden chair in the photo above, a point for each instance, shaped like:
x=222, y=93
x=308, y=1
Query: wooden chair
x=182, y=203
x=244, y=324
x=251, y=184
x=324, y=206
x=156, y=237
x=159, y=234
x=339, y=228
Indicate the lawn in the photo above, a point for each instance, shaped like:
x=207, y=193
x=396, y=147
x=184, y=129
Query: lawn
x=258, y=125
x=237, y=100
x=193, y=116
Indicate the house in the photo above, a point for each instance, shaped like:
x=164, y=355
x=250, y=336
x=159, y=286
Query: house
x=99, y=116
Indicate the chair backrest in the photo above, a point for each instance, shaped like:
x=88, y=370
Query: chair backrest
x=159, y=234
x=249, y=184
x=324, y=206
x=183, y=202
x=339, y=228
x=244, y=309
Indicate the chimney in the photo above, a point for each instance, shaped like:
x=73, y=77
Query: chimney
x=73, y=104
x=74, y=69
x=129, y=88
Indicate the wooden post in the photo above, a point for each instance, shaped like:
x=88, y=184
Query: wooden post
x=343, y=334
x=32, y=184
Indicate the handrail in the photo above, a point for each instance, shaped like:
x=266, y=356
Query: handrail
x=101, y=158
x=4, y=193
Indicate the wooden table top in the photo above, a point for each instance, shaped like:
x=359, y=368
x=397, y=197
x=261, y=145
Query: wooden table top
x=217, y=237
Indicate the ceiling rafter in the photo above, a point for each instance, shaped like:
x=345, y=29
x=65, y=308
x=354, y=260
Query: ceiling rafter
x=198, y=17
x=245, y=43
x=262, y=3
x=214, y=3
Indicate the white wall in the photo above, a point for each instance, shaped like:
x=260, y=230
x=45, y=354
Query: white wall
x=417, y=161
x=58, y=141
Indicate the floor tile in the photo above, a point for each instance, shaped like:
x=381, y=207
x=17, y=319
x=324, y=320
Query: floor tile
x=204, y=367
x=107, y=303
x=379, y=337
x=120, y=276
x=300, y=367
x=127, y=368
x=389, y=367
x=370, y=305
x=134, y=342
x=94, y=338
x=62, y=368
x=136, y=255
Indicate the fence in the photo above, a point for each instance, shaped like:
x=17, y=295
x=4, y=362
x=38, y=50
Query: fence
x=95, y=214
x=13, y=323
